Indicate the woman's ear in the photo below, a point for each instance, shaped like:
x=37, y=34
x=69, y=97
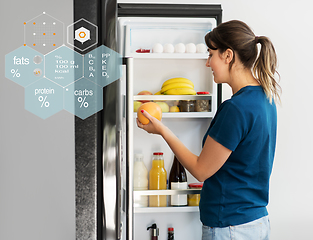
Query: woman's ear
x=229, y=55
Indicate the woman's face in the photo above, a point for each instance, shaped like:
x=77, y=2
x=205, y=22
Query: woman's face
x=218, y=64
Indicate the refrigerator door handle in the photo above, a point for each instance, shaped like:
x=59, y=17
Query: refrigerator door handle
x=119, y=185
x=129, y=147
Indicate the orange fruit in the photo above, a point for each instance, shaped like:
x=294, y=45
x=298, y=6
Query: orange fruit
x=152, y=108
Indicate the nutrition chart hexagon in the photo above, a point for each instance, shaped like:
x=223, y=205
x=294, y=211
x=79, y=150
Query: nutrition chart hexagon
x=55, y=76
x=103, y=65
x=64, y=66
x=44, y=98
x=43, y=33
x=83, y=98
x=82, y=34
x=24, y=66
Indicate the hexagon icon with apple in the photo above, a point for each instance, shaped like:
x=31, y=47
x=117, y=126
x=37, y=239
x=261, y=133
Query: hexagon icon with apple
x=83, y=98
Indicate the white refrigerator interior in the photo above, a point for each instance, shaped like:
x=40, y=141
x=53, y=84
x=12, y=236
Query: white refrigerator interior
x=150, y=70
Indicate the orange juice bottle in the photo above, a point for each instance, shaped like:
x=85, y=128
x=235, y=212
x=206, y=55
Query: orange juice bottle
x=157, y=180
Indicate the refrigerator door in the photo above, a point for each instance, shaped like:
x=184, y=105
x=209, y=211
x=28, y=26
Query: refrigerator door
x=97, y=141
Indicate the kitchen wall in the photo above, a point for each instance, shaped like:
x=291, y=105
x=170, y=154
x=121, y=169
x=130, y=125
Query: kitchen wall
x=289, y=27
x=37, y=165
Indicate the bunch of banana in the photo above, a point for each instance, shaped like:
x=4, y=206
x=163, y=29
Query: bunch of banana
x=177, y=86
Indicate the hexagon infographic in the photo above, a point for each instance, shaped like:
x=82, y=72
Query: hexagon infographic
x=64, y=66
x=83, y=98
x=103, y=65
x=43, y=33
x=55, y=76
x=82, y=34
x=24, y=65
x=44, y=98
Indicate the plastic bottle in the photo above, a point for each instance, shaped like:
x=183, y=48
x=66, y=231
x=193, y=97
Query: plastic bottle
x=157, y=180
x=178, y=180
x=170, y=233
x=140, y=181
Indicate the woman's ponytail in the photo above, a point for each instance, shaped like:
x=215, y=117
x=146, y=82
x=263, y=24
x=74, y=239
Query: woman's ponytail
x=238, y=36
x=264, y=68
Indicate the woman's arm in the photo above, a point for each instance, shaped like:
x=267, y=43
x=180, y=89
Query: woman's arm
x=212, y=156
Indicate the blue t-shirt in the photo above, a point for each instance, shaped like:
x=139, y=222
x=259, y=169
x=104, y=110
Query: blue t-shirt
x=238, y=192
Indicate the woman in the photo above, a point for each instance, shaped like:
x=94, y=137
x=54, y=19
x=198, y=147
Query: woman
x=238, y=149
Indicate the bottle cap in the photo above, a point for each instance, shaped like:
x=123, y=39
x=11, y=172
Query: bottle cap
x=157, y=153
x=170, y=229
x=138, y=157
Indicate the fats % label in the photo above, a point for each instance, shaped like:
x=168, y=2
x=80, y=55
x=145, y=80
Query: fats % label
x=15, y=73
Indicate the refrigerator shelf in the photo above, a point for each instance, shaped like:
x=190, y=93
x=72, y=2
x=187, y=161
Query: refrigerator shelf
x=169, y=55
x=166, y=209
x=167, y=192
x=185, y=115
x=172, y=97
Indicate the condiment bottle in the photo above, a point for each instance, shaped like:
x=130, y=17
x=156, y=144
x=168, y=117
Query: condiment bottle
x=154, y=231
x=157, y=180
x=194, y=199
x=170, y=233
x=178, y=180
x=140, y=181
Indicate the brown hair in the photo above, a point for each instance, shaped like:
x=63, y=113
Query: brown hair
x=238, y=37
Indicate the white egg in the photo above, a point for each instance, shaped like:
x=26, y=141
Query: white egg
x=168, y=48
x=180, y=48
x=157, y=48
x=190, y=48
x=201, y=48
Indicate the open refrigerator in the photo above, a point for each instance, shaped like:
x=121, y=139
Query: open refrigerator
x=141, y=26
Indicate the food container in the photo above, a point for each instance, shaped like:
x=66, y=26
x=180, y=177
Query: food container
x=194, y=199
x=202, y=105
x=187, y=105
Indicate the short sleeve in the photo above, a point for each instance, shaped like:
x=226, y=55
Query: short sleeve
x=228, y=126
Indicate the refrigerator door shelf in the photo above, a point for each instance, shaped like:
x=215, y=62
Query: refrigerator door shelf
x=168, y=192
x=146, y=32
x=172, y=97
x=186, y=209
x=185, y=115
x=169, y=55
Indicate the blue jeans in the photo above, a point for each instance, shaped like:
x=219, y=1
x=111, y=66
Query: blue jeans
x=256, y=230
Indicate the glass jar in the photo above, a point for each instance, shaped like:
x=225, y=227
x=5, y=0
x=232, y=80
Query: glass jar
x=202, y=105
x=194, y=199
x=187, y=105
x=157, y=180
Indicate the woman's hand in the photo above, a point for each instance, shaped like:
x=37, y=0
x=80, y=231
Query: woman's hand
x=154, y=126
